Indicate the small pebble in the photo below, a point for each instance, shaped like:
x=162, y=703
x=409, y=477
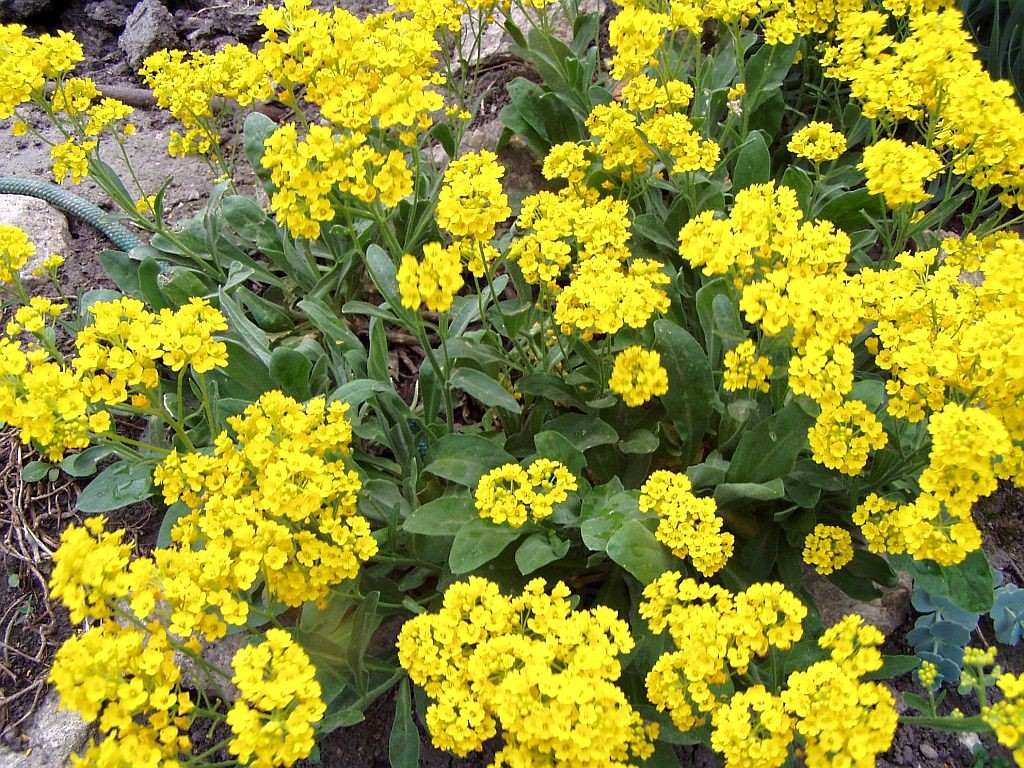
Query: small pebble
x=929, y=751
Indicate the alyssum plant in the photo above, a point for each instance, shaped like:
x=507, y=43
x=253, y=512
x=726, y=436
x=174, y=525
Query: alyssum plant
x=732, y=335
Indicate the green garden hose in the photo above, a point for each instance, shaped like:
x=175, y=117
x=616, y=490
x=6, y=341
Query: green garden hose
x=72, y=205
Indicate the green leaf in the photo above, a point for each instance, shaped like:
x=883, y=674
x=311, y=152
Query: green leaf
x=248, y=333
x=358, y=391
x=753, y=163
x=969, y=584
x=117, y=486
x=635, y=548
x=549, y=387
x=84, y=464
x=765, y=71
x=538, y=550
x=442, y=517
x=289, y=370
x=330, y=324
x=640, y=442
x=652, y=227
x=847, y=210
x=603, y=511
x=691, y=390
x=174, y=513
x=255, y=132
x=464, y=459
x=482, y=387
x=583, y=431
x=731, y=493
x=555, y=445
x=404, y=742
x=478, y=542
x=35, y=471
x=382, y=271
x=894, y=666
x=770, y=449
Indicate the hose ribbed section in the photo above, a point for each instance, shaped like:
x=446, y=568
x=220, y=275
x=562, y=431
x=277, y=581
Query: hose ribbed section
x=73, y=205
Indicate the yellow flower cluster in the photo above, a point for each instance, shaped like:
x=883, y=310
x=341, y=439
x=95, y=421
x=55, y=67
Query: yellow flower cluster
x=278, y=702
x=119, y=351
x=91, y=573
x=277, y=501
x=743, y=369
x=187, y=84
x=638, y=376
x=932, y=68
x=35, y=316
x=512, y=494
x=15, y=251
x=1006, y=717
x=828, y=548
x=604, y=295
x=433, y=280
x=818, y=142
x=567, y=161
x=571, y=226
x=843, y=437
x=688, y=525
x=715, y=633
x=530, y=667
x=842, y=719
x=71, y=158
x=125, y=679
x=472, y=202
x=897, y=171
x=28, y=62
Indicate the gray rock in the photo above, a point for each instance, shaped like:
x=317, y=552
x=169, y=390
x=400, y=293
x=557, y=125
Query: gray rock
x=886, y=613
x=218, y=655
x=149, y=28
x=53, y=736
x=45, y=226
x=929, y=751
x=24, y=10
x=112, y=14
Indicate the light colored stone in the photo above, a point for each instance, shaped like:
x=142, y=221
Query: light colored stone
x=45, y=226
x=887, y=612
x=149, y=28
x=52, y=737
x=217, y=654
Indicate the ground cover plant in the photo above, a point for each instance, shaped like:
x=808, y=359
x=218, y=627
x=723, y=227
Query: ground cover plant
x=762, y=326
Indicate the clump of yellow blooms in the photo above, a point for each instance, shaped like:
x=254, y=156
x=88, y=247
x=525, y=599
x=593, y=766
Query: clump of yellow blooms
x=530, y=668
x=818, y=142
x=604, y=295
x=1006, y=716
x=277, y=501
x=431, y=281
x=752, y=729
x=688, y=525
x=828, y=548
x=743, y=369
x=843, y=437
x=472, y=202
x=512, y=494
x=124, y=679
x=715, y=633
x=928, y=673
x=30, y=61
x=840, y=719
x=15, y=251
x=638, y=376
x=897, y=171
x=90, y=575
x=278, y=702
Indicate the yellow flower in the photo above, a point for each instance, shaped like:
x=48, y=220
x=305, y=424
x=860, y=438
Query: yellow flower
x=15, y=251
x=638, y=376
x=843, y=437
x=512, y=494
x=71, y=159
x=828, y=548
x=688, y=525
x=278, y=702
x=472, y=202
x=898, y=171
x=1006, y=717
x=817, y=142
x=752, y=730
x=745, y=369
x=530, y=668
x=433, y=280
